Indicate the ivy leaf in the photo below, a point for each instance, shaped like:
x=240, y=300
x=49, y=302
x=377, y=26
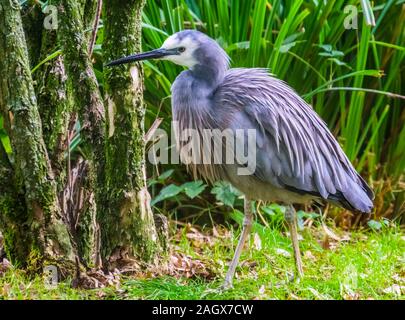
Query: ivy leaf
x=340, y=63
x=225, y=193
x=161, y=178
x=310, y=215
x=193, y=188
x=375, y=225
x=165, y=175
x=337, y=53
x=286, y=47
x=325, y=47
x=167, y=192
x=332, y=54
x=273, y=209
x=289, y=42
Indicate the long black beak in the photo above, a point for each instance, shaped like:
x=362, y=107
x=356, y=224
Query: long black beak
x=154, y=54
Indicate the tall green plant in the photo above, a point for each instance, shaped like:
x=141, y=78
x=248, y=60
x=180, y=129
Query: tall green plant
x=348, y=75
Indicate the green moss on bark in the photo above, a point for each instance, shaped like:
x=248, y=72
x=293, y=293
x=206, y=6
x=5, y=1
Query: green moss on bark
x=90, y=110
x=13, y=224
x=32, y=19
x=89, y=8
x=33, y=173
x=54, y=105
x=127, y=220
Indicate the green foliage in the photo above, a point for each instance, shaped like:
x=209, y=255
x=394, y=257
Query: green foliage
x=225, y=193
x=192, y=189
x=377, y=225
x=48, y=58
x=167, y=192
x=364, y=266
x=4, y=139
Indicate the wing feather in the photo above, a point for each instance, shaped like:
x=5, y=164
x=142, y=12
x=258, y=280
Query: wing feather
x=297, y=150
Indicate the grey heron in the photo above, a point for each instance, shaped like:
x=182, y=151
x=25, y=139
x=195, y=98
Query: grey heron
x=297, y=159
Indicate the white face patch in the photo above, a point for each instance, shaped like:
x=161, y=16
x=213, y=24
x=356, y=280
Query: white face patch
x=185, y=58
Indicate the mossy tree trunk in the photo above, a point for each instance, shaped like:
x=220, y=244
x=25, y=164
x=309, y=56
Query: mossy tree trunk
x=55, y=91
x=129, y=230
x=90, y=111
x=13, y=218
x=32, y=18
x=33, y=174
x=54, y=103
x=52, y=207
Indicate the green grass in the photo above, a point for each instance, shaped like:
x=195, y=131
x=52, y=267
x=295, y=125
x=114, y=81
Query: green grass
x=364, y=265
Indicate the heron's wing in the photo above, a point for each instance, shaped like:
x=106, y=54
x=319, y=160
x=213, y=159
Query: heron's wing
x=295, y=148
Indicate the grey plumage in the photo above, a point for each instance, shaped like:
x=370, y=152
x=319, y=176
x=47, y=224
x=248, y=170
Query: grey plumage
x=296, y=157
x=296, y=153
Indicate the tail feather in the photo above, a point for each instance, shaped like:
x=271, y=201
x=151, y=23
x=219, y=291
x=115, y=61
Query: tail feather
x=356, y=197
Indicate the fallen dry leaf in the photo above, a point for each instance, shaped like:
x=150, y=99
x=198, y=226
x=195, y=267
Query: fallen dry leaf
x=295, y=297
x=398, y=278
x=257, y=242
x=283, y=253
x=348, y=293
x=309, y=255
x=395, y=289
x=351, y=296
x=262, y=289
x=316, y=293
x=95, y=279
x=248, y=263
x=330, y=233
x=4, y=265
x=184, y=265
x=5, y=290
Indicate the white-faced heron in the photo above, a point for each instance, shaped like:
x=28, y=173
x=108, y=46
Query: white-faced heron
x=297, y=159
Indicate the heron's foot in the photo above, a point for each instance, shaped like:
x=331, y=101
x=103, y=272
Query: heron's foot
x=295, y=278
x=227, y=285
x=219, y=290
x=299, y=272
x=290, y=279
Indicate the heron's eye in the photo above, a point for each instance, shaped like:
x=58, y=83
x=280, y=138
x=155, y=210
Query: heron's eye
x=182, y=49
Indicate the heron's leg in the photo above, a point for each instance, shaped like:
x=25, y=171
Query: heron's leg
x=291, y=218
x=247, y=226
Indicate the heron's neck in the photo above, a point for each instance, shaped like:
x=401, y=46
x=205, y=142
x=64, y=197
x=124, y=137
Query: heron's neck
x=192, y=99
x=211, y=68
x=209, y=75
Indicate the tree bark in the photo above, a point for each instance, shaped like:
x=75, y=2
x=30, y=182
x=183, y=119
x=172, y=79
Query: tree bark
x=54, y=105
x=34, y=177
x=55, y=97
x=90, y=110
x=128, y=225
x=106, y=184
x=13, y=219
x=32, y=19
